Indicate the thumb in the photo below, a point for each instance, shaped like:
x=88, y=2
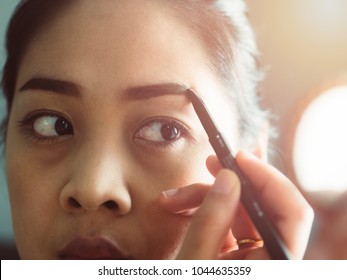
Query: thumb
x=211, y=223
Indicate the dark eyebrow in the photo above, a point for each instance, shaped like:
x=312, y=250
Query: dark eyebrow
x=53, y=85
x=135, y=93
x=151, y=91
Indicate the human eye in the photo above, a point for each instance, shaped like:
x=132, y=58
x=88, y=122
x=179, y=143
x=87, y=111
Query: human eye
x=46, y=126
x=161, y=132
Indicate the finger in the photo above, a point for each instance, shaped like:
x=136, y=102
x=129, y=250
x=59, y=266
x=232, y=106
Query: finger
x=211, y=223
x=213, y=165
x=284, y=203
x=230, y=243
x=184, y=200
x=243, y=227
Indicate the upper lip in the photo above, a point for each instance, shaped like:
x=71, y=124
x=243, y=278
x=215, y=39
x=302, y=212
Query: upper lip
x=92, y=248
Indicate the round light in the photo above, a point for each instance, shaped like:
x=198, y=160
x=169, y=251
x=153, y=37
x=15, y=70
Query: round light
x=320, y=144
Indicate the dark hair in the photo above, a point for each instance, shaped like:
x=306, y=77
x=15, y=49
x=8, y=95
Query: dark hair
x=221, y=25
x=28, y=18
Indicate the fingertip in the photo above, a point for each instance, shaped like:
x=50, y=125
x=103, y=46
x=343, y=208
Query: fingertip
x=212, y=159
x=213, y=165
x=226, y=182
x=250, y=164
x=181, y=199
x=245, y=155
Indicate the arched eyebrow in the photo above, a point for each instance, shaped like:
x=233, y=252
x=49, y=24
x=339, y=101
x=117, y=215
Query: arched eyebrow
x=132, y=93
x=52, y=85
x=151, y=91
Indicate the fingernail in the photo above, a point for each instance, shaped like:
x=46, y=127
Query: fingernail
x=170, y=193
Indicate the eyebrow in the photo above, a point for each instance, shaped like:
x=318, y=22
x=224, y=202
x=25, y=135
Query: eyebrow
x=152, y=91
x=52, y=85
x=133, y=93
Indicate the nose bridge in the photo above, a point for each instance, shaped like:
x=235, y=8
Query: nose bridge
x=97, y=179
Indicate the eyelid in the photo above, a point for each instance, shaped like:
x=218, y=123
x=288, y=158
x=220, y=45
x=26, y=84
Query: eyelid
x=163, y=119
x=32, y=116
x=185, y=131
x=27, y=122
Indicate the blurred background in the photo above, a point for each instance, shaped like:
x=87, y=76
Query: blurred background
x=304, y=51
x=6, y=239
x=303, y=47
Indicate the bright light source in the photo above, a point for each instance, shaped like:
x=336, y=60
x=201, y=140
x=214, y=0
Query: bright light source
x=320, y=144
x=325, y=14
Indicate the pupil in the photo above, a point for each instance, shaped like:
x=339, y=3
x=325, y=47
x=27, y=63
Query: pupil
x=62, y=127
x=169, y=132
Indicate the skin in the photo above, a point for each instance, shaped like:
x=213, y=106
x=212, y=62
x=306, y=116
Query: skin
x=107, y=178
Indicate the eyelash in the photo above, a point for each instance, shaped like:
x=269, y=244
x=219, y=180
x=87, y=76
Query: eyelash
x=27, y=125
x=182, y=130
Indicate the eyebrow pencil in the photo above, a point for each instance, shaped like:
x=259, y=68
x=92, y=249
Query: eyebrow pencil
x=272, y=241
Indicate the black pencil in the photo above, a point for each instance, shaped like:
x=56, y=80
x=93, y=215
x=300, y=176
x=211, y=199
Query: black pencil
x=272, y=240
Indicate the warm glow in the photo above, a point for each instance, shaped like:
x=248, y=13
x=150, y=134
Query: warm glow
x=325, y=15
x=320, y=144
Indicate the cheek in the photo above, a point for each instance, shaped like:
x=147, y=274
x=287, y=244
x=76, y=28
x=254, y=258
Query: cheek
x=34, y=200
x=30, y=178
x=169, y=235
x=162, y=232
x=165, y=231
x=176, y=169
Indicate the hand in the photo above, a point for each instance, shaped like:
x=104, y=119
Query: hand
x=218, y=219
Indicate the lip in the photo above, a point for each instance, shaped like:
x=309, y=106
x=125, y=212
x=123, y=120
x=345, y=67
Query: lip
x=92, y=248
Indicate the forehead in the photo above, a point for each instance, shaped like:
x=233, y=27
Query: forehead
x=105, y=46
x=114, y=36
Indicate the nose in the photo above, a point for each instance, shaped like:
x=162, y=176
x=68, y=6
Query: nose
x=96, y=182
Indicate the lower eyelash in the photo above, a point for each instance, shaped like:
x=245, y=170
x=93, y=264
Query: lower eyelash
x=26, y=126
x=184, y=133
x=33, y=136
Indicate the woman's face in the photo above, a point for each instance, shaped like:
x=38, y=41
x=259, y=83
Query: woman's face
x=100, y=126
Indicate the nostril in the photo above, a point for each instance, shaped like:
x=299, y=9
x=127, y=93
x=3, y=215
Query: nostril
x=74, y=203
x=111, y=205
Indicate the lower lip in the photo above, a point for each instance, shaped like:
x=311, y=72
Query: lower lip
x=91, y=249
